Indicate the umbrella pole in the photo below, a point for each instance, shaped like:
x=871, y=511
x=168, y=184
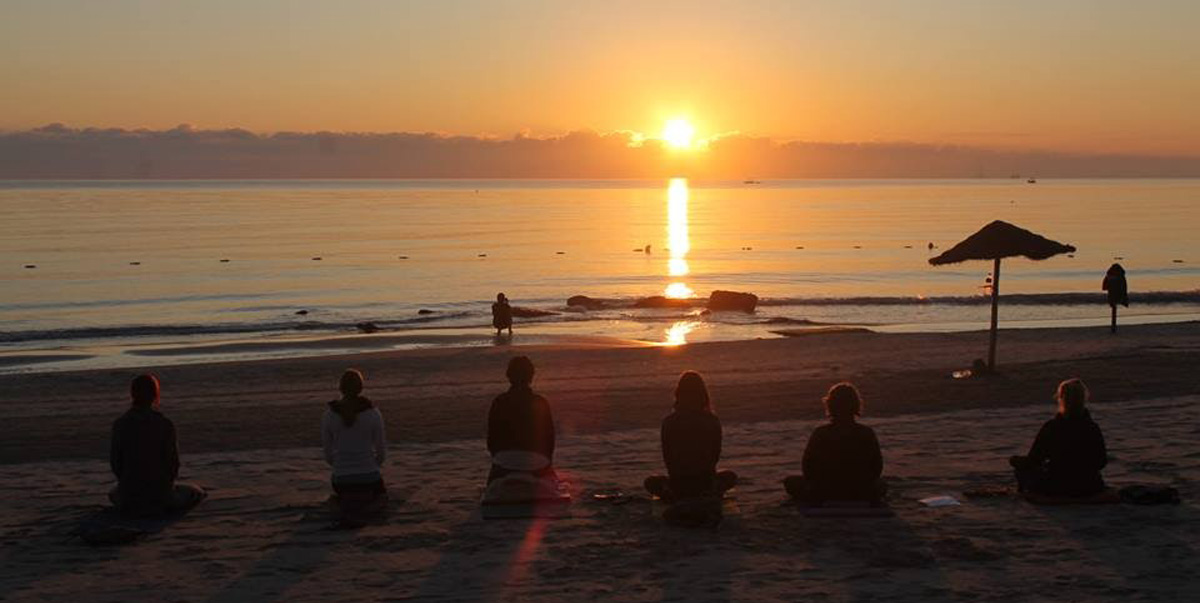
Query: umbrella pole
x=995, y=315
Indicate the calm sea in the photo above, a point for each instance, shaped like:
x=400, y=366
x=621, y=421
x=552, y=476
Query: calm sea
x=128, y=273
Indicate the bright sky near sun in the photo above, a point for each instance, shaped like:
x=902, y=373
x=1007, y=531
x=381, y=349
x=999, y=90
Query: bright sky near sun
x=1069, y=74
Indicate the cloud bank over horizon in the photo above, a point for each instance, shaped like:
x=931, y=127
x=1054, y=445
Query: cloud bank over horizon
x=60, y=152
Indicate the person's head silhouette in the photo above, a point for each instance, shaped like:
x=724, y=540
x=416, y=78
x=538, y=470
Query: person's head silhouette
x=692, y=393
x=520, y=371
x=351, y=383
x=145, y=391
x=1072, y=397
x=843, y=402
x=501, y=298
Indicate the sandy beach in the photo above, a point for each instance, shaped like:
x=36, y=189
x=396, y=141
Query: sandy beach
x=263, y=534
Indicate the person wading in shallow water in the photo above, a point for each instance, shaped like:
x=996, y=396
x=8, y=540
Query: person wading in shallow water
x=145, y=458
x=502, y=314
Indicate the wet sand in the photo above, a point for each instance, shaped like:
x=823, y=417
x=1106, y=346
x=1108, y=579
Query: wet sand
x=249, y=434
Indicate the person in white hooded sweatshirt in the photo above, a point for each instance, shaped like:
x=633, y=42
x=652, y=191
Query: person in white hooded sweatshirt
x=353, y=438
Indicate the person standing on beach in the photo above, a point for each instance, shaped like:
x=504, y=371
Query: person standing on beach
x=502, y=314
x=1118, y=291
x=144, y=455
x=520, y=433
x=1068, y=453
x=691, y=446
x=842, y=460
x=353, y=437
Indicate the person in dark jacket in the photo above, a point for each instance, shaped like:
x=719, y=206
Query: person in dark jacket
x=520, y=421
x=144, y=456
x=502, y=317
x=691, y=446
x=842, y=460
x=1068, y=453
x=1118, y=290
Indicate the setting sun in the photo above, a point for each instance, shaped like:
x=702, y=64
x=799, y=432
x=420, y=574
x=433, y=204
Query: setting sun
x=678, y=133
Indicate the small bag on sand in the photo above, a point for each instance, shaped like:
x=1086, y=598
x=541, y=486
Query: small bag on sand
x=1149, y=495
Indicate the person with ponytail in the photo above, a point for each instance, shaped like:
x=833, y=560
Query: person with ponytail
x=691, y=446
x=1068, y=453
x=842, y=460
x=353, y=438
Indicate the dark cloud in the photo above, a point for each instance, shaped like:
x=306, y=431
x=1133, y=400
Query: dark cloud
x=56, y=151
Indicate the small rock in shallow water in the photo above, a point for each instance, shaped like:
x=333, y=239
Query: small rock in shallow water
x=30, y=266
x=301, y=312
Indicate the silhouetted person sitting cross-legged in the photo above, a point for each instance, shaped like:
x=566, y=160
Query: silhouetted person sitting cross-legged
x=842, y=461
x=520, y=434
x=691, y=446
x=354, y=442
x=1068, y=453
x=145, y=458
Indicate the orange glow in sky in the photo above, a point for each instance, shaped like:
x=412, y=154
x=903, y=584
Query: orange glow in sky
x=1067, y=75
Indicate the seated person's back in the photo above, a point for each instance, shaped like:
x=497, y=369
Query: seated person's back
x=352, y=434
x=691, y=447
x=842, y=460
x=1069, y=451
x=144, y=457
x=520, y=419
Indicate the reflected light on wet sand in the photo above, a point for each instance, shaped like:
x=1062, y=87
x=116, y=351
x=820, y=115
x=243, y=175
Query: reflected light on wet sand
x=677, y=237
x=677, y=333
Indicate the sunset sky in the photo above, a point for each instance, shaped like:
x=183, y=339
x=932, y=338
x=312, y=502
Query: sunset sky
x=1067, y=75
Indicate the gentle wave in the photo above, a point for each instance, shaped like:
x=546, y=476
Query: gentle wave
x=624, y=309
x=1028, y=299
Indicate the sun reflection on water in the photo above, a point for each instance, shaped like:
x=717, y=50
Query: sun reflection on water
x=677, y=333
x=678, y=240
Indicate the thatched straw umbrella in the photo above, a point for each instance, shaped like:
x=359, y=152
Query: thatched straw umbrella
x=994, y=242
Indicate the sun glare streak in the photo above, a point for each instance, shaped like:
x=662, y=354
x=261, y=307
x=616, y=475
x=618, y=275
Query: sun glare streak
x=678, y=133
x=677, y=333
x=678, y=240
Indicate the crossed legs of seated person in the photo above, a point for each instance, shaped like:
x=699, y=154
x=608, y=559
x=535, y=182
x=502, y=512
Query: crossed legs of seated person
x=806, y=492
x=672, y=490
x=181, y=497
x=497, y=472
x=1034, y=478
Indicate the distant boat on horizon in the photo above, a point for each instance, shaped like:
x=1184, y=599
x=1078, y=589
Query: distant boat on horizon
x=752, y=182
